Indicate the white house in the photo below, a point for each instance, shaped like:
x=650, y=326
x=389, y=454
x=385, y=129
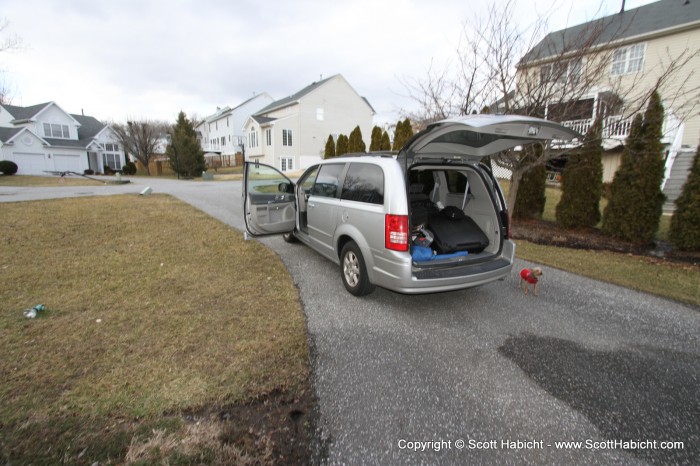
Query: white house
x=291, y=133
x=222, y=133
x=45, y=138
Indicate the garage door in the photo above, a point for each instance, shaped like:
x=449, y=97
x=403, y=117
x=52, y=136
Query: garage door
x=29, y=164
x=67, y=163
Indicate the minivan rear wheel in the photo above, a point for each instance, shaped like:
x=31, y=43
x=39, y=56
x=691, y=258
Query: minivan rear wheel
x=353, y=270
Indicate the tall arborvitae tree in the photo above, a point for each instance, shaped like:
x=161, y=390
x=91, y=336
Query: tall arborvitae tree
x=403, y=133
x=341, y=146
x=398, y=136
x=355, y=142
x=329, y=153
x=637, y=202
x=386, y=142
x=184, y=152
x=582, y=183
x=616, y=215
x=652, y=170
x=376, y=139
x=685, y=223
x=531, y=198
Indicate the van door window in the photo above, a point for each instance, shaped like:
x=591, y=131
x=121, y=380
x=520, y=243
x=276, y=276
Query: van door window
x=327, y=180
x=364, y=183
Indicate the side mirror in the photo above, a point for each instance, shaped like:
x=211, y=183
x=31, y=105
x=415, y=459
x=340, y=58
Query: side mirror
x=285, y=187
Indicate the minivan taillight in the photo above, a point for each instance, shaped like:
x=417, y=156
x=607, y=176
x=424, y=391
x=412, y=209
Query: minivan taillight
x=396, y=232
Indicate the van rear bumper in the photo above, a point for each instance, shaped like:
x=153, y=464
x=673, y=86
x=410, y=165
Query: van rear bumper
x=397, y=273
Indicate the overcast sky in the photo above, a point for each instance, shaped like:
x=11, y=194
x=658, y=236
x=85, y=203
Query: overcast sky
x=139, y=59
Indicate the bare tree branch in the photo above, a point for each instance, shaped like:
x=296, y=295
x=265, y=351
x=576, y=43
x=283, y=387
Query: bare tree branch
x=568, y=76
x=141, y=138
x=7, y=44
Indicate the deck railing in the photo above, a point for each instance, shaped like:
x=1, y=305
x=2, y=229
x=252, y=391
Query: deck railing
x=614, y=127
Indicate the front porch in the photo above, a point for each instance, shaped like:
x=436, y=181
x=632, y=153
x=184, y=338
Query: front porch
x=581, y=114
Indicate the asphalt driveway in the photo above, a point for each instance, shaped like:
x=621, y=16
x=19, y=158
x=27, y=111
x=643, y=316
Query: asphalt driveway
x=485, y=375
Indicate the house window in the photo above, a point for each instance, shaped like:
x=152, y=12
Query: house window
x=52, y=130
x=573, y=73
x=253, y=139
x=268, y=137
x=628, y=60
x=287, y=163
x=111, y=157
x=223, y=141
x=286, y=137
x=561, y=73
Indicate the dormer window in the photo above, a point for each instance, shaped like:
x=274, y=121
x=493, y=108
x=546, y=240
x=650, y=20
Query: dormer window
x=52, y=130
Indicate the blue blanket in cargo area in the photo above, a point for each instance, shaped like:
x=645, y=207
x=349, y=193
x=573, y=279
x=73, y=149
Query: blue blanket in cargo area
x=421, y=253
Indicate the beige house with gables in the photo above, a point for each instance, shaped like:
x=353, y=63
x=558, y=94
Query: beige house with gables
x=291, y=133
x=627, y=54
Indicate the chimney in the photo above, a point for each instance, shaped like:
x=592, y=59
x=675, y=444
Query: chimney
x=622, y=10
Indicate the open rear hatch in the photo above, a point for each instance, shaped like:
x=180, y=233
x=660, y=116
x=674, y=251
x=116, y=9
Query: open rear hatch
x=473, y=137
x=457, y=146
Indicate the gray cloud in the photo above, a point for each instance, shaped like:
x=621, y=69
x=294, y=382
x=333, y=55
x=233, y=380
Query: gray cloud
x=151, y=59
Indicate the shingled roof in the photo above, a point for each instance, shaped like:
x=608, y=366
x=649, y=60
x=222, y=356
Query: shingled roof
x=25, y=113
x=294, y=97
x=647, y=19
x=7, y=133
x=89, y=126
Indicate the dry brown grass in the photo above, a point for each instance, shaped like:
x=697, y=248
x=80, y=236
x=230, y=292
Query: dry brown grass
x=677, y=281
x=28, y=180
x=152, y=307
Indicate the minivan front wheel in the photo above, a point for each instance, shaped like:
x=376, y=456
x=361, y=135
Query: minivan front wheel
x=353, y=270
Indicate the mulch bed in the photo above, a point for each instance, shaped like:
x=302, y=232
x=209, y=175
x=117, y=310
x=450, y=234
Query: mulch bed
x=550, y=234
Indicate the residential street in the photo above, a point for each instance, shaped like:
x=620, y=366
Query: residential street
x=480, y=376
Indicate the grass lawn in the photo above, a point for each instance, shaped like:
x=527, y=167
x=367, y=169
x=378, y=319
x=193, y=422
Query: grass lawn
x=159, y=321
x=28, y=180
x=680, y=282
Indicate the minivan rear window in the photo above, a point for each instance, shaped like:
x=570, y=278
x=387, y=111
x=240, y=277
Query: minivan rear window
x=456, y=181
x=364, y=183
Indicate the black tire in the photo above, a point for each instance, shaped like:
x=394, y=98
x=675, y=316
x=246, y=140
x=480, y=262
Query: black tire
x=353, y=271
x=289, y=238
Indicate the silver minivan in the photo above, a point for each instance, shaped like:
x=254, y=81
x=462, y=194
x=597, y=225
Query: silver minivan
x=431, y=219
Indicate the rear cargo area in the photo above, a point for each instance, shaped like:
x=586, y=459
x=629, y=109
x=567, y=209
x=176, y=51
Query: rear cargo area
x=453, y=220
